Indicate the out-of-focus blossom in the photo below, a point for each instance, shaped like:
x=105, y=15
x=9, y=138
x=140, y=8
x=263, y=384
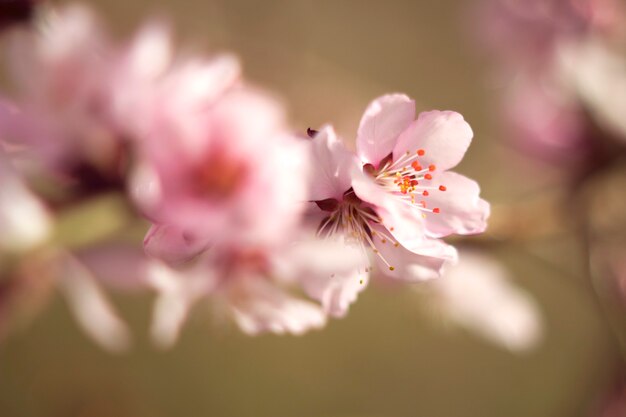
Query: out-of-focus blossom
x=478, y=294
x=61, y=69
x=398, y=197
x=221, y=165
x=255, y=286
x=24, y=220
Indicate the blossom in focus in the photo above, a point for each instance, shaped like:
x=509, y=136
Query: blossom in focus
x=478, y=295
x=396, y=197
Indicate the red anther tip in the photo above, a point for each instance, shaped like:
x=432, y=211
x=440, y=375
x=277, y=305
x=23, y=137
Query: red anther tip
x=414, y=183
x=432, y=168
x=425, y=193
x=436, y=210
x=428, y=177
x=421, y=152
x=416, y=166
x=442, y=188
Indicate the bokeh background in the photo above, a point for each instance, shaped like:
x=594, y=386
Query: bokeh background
x=327, y=60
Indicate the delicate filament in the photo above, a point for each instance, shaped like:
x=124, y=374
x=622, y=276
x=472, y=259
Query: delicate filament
x=408, y=178
x=355, y=223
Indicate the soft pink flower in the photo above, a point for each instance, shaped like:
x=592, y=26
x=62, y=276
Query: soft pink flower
x=398, y=198
x=406, y=170
x=254, y=285
x=61, y=68
x=220, y=165
x=346, y=217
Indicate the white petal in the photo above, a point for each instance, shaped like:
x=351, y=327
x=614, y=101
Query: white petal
x=383, y=121
x=478, y=294
x=91, y=308
x=331, y=162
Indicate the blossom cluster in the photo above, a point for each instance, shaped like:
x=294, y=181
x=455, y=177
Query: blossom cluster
x=277, y=231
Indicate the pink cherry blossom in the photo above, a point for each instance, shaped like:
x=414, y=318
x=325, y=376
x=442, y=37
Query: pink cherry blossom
x=411, y=183
x=60, y=68
x=228, y=171
x=343, y=216
x=254, y=285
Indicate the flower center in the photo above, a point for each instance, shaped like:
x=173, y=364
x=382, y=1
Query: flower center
x=219, y=176
x=409, y=180
x=354, y=221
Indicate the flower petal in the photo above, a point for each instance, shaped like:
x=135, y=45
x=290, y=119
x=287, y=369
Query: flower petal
x=330, y=271
x=402, y=264
x=330, y=170
x=478, y=294
x=178, y=291
x=259, y=306
x=443, y=135
x=462, y=211
x=91, y=308
x=383, y=121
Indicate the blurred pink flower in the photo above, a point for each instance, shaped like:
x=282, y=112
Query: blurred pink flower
x=221, y=164
x=61, y=70
x=254, y=285
x=478, y=294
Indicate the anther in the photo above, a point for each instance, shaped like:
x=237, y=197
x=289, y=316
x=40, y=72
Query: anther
x=436, y=210
x=425, y=193
x=421, y=152
x=432, y=168
x=428, y=177
x=442, y=188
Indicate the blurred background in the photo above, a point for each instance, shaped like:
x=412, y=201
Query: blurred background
x=327, y=60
